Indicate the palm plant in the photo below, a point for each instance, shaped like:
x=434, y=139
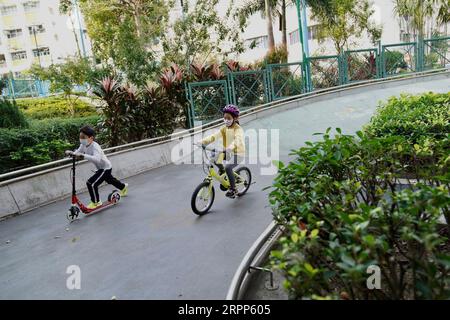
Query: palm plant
x=267, y=10
x=418, y=13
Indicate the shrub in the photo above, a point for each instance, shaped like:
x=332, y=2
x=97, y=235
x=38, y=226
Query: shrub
x=344, y=210
x=413, y=116
x=130, y=115
x=54, y=107
x=10, y=115
x=41, y=142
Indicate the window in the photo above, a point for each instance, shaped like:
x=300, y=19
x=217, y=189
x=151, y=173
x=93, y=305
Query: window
x=13, y=33
x=41, y=52
x=18, y=55
x=294, y=37
x=50, y=9
x=258, y=42
x=30, y=6
x=7, y=10
x=38, y=29
x=2, y=60
x=313, y=32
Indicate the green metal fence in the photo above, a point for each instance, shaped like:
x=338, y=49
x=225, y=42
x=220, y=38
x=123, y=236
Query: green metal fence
x=325, y=72
x=286, y=80
x=277, y=81
x=399, y=58
x=249, y=88
x=206, y=100
x=361, y=65
x=436, y=53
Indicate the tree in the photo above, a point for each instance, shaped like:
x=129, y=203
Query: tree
x=267, y=8
x=127, y=32
x=66, y=7
x=340, y=20
x=64, y=76
x=419, y=13
x=200, y=34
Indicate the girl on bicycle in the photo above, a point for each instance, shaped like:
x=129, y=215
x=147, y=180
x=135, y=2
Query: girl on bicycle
x=233, y=143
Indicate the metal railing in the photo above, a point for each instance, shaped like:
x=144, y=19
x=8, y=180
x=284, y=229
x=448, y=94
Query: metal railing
x=277, y=81
x=23, y=173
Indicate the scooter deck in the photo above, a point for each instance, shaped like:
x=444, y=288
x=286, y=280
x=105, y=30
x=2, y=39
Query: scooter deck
x=89, y=212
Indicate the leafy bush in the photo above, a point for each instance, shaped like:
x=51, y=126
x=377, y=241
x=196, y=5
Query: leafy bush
x=394, y=62
x=54, y=107
x=41, y=142
x=413, y=116
x=10, y=115
x=131, y=115
x=344, y=209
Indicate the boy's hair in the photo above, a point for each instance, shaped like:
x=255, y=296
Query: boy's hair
x=87, y=130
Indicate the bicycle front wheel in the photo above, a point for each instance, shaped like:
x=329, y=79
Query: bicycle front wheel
x=202, y=198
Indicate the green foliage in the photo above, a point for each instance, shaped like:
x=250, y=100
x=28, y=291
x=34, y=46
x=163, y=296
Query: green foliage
x=127, y=34
x=131, y=115
x=20, y=148
x=192, y=38
x=344, y=210
x=414, y=116
x=393, y=61
x=42, y=152
x=10, y=115
x=54, y=107
x=340, y=20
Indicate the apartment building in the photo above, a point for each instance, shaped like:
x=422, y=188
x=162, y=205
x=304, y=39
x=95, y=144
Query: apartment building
x=33, y=31
x=255, y=35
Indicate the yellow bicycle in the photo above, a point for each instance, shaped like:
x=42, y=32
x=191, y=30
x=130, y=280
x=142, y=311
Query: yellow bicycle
x=203, y=196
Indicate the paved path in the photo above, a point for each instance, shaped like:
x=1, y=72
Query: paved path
x=151, y=246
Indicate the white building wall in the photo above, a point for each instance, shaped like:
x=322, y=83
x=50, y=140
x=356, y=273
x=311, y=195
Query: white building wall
x=58, y=36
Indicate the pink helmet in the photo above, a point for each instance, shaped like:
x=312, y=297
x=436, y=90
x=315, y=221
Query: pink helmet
x=231, y=109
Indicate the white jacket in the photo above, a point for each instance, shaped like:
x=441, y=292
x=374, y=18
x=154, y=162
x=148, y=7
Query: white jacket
x=95, y=154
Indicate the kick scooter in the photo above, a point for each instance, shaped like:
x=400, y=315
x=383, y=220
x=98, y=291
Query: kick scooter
x=77, y=205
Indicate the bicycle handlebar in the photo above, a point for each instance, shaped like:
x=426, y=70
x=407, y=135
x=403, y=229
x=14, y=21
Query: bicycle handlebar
x=209, y=149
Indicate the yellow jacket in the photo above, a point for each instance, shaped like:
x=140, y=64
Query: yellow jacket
x=232, y=138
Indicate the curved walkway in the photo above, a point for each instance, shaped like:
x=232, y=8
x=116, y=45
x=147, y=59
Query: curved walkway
x=151, y=246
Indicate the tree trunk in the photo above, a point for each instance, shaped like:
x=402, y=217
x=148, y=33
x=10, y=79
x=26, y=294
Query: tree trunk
x=75, y=34
x=283, y=23
x=268, y=12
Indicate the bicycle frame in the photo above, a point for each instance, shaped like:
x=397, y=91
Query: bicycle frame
x=212, y=173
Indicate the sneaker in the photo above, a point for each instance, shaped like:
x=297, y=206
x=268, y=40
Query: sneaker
x=231, y=193
x=94, y=205
x=124, y=191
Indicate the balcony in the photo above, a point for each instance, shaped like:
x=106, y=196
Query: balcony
x=16, y=44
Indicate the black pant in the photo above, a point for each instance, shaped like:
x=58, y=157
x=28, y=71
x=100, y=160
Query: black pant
x=96, y=180
x=229, y=166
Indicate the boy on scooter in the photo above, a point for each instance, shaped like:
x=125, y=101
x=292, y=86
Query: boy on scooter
x=91, y=151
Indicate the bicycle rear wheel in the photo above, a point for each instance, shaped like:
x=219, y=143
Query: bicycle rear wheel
x=202, y=199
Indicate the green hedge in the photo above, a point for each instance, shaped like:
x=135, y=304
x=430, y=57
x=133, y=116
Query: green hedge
x=344, y=211
x=413, y=116
x=54, y=107
x=43, y=141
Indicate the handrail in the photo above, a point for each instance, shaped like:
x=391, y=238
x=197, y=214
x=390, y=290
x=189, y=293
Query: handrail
x=184, y=133
x=234, y=291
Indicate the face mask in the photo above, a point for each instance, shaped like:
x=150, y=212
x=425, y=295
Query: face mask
x=84, y=142
x=228, y=123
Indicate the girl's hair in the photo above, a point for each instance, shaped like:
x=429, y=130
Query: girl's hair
x=87, y=130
